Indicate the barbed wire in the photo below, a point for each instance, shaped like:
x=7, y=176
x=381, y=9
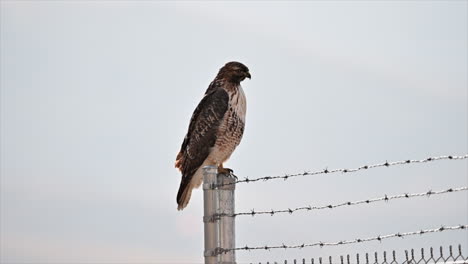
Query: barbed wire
x=345, y=242
x=385, y=198
x=365, y=167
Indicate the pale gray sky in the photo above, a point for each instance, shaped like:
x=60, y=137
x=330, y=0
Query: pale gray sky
x=96, y=97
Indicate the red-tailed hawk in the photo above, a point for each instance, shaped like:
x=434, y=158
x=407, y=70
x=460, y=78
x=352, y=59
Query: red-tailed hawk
x=215, y=129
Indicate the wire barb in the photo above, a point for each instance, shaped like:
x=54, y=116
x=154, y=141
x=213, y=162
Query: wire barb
x=345, y=242
x=384, y=198
x=365, y=167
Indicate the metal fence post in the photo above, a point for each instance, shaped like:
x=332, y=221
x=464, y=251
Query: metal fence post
x=210, y=200
x=226, y=223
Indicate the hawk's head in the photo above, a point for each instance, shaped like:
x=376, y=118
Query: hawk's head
x=234, y=72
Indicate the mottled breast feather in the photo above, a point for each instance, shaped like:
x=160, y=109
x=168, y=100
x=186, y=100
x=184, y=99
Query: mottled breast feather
x=232, y=127
x=202, y=133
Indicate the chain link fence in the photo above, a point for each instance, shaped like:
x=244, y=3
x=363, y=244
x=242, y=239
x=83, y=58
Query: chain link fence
x=438, y=255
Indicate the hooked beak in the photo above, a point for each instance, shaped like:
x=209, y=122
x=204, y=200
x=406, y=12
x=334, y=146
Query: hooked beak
x=247, y=75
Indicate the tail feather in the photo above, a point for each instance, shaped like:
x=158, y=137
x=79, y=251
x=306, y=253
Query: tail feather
x=183, y=195
x=189, y=181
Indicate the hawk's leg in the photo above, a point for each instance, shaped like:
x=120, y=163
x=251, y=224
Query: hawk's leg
x=226, y=171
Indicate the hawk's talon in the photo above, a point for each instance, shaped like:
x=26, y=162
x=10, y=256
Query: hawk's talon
x=228, y=172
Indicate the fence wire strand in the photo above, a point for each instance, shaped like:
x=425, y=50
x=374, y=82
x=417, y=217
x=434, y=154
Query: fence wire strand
x=385, y=198
x=345, y=242
x=365, y=167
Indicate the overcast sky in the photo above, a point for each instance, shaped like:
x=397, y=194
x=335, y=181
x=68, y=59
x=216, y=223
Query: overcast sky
x=96, y=97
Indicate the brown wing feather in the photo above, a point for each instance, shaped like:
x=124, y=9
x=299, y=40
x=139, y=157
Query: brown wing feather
x=201, y=135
